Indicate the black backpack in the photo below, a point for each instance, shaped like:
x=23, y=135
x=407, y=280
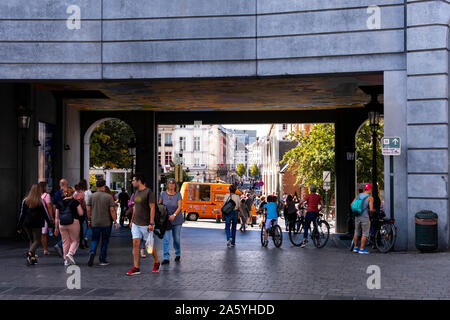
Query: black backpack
x=162, y=222
x=228, y=207
x=65, y=214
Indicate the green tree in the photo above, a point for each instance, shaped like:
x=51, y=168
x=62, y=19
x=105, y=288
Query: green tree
x=109, y=145
x=241, y=169
x=313, y=154
x=254, y=171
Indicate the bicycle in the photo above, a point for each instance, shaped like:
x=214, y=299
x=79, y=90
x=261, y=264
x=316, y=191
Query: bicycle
x=383, y=233
x=275, y=232
x=320, y=232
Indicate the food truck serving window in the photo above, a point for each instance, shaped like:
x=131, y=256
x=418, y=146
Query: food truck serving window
x=199, y=192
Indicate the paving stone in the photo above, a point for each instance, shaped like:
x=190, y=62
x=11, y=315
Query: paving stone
x=211, y=271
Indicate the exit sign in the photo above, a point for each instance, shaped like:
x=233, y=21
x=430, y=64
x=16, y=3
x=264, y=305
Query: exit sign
x=391, y=146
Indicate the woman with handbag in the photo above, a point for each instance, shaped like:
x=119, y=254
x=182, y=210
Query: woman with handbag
x=172, y=200
x=33, y=215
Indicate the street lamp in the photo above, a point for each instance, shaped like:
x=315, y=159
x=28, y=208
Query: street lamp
x=24, y=117
x=374, y=109
x=23, y=121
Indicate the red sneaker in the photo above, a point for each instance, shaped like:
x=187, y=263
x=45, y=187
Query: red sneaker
x=133, y=271
x=156, y=267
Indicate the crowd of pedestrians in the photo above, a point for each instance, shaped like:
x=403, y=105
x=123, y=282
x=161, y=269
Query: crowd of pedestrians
x=80, y=218
x=77, y=216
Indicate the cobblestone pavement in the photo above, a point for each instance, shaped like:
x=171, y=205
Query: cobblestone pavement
x=210, y=270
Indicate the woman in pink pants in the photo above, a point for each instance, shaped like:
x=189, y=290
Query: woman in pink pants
x=67, y=221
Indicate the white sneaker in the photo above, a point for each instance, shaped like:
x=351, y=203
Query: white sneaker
x=70, y=259
x=229, y=243
x=66, y=263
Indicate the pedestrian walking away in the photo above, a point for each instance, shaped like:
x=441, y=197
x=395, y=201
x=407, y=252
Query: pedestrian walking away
x=362, y=218
x=123, y=201
x=312, y=212
x=79, y=195
x=142, y=222
x=173, y=202
x=48, y=205
x=67, y=222
x=57, y=197
x=101, y=211
x=231, y=219
x=32, y=216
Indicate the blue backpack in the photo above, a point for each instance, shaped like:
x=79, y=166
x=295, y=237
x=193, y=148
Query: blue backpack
x=357, y=205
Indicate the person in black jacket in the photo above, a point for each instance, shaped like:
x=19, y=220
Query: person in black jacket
x=33, y=215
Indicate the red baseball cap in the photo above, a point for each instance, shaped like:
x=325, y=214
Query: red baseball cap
x=368, y=187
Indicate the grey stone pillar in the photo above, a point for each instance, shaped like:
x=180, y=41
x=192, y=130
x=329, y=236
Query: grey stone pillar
x=71, y=138
x=427, y=113
x=395, y=126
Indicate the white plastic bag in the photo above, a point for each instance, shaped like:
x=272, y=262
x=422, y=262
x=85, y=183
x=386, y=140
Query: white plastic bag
x=149, y=243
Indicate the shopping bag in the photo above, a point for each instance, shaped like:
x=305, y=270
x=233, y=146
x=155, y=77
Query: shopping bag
x=149, y=243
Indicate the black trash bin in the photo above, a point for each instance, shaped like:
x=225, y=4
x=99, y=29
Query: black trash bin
x=426, y=231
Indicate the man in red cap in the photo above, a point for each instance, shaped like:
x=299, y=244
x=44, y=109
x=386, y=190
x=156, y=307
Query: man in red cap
x=362, y=222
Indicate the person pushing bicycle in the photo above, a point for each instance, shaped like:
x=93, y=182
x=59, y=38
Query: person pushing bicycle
x=312, y=213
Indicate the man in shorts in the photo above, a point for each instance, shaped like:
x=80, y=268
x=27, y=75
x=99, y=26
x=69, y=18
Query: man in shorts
x=142, y=221
x=362, y=222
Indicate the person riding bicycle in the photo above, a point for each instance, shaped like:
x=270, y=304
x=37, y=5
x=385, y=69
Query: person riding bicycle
x=313, y=199
x=271, y=214
x=362, y=222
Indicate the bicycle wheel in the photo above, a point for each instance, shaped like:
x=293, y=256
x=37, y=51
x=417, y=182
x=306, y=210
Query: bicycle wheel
x=277, y=236
x=385, y=237
x=264, y=243
x=296, y=232
x=321, y=235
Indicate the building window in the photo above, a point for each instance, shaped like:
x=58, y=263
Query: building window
x=196, y=143
x=285, y=126
x=159, y=139
x=182, y=144
x=182, y=126
x=168, y=158
x=197, y=162
x=159, y=158
x=168, y=139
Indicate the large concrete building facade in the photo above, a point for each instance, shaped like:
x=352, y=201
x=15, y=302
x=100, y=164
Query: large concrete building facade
x=148, y=62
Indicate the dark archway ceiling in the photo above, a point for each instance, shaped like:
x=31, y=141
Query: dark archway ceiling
x=281, y=93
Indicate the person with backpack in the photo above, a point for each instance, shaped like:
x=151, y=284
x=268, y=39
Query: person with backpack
x=33, y=215
x=101, y=211
x=230, y=209
x=362, y=207
x=67, y=222
x=142, y=222
x=172, y=200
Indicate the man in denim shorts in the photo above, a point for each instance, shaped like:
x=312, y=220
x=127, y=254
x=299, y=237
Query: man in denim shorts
x=362, y=222
x=142, y=221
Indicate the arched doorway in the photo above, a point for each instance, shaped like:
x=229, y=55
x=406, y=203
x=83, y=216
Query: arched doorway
x=116, y=157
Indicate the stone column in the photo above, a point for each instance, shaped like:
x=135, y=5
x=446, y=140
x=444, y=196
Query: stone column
x=395, y=126
x=427, y=113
